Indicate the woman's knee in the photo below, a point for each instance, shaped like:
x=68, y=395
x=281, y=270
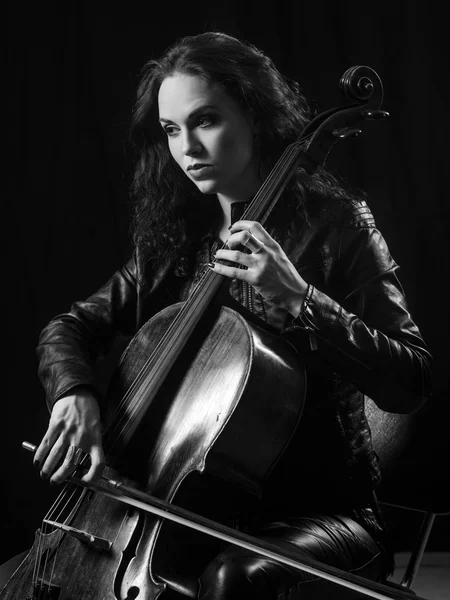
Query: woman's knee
x=237, y=574
x=337, y=541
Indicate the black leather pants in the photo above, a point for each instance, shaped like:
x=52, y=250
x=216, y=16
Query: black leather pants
x=337, y=540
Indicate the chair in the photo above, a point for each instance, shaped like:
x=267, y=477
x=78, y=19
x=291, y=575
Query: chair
x=415, y=478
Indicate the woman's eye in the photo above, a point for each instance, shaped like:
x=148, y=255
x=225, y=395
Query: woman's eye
x=170, y=131
x=205, y=121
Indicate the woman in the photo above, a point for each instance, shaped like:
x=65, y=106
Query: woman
x=212, y=116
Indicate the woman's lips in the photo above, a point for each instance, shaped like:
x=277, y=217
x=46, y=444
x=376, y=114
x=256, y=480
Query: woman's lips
x=198, y=171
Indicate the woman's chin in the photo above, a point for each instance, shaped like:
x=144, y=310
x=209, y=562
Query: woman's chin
x=207, y=187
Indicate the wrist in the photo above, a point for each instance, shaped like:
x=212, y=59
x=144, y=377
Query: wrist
x=295, y=306
x=80, y=395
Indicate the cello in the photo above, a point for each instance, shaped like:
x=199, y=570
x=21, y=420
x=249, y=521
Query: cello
x=180, y=389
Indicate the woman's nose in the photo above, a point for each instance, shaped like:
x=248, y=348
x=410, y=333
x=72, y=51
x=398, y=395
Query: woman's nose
x=191, y=144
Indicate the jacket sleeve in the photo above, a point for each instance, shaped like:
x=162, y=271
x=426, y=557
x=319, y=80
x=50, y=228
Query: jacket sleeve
x=364, y=331
x=70, y=345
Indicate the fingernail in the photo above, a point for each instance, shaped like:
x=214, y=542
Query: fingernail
x=44, y=475
x=37, y=464
x=211, y=265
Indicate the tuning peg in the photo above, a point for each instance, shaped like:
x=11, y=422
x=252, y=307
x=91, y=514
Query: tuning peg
x=375, y=114
x=346, y=132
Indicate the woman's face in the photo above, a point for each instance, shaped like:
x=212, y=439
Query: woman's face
x=209, y=136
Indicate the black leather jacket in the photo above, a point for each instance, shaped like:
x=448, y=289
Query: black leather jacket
x=354, y=333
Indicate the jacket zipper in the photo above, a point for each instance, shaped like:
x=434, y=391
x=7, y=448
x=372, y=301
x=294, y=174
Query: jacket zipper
x=247, y=295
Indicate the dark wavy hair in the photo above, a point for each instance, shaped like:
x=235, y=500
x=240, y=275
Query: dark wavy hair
x=170, y=213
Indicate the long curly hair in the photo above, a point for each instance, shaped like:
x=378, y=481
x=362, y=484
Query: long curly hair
x=170, y=213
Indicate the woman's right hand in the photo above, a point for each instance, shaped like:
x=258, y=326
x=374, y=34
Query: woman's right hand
x=74, y=423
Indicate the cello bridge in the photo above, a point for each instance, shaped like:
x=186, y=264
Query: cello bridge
x=44, y=591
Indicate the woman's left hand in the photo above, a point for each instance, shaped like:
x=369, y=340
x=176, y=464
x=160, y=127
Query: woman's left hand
x=268, y=269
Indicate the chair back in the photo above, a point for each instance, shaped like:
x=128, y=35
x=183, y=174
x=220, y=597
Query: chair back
x=414, y=458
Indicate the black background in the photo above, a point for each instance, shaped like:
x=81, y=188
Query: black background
x=73, y=71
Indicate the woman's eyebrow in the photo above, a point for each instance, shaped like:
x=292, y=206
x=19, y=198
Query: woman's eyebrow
x=192, y=114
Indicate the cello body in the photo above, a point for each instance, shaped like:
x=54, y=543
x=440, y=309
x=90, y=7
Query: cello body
x=224, y=416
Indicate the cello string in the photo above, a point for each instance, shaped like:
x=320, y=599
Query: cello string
x=50, y=515
x=53, y=566
x=36, y=565
x=255, y=210
x=38, y=560
x=46, y=528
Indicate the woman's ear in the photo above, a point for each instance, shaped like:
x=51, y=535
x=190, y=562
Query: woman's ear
x=256, y=127
x=253, y=122
x=256, y=131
